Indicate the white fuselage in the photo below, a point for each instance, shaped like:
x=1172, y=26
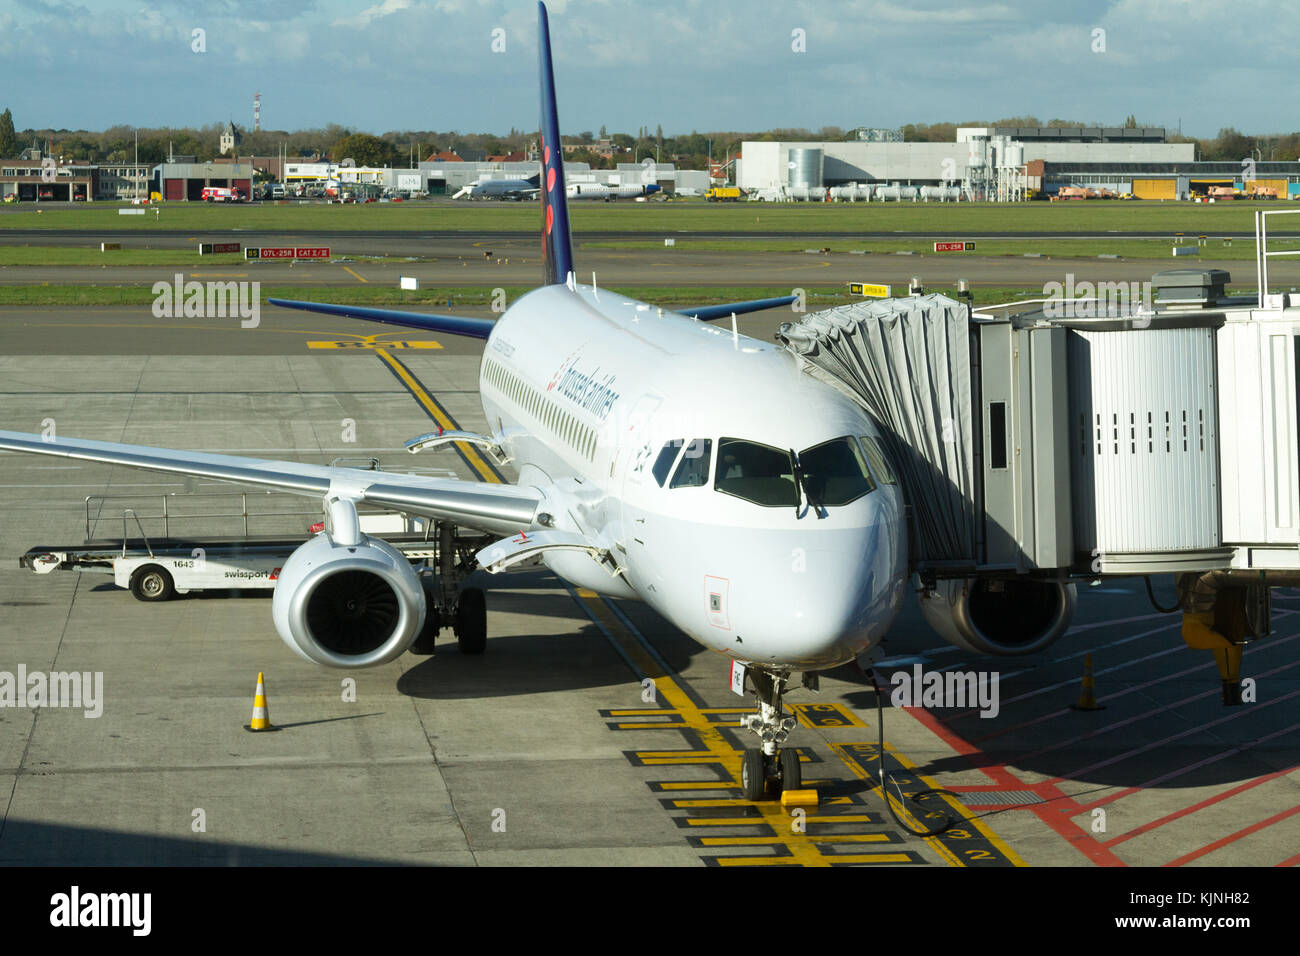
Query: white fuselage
x=583, y=389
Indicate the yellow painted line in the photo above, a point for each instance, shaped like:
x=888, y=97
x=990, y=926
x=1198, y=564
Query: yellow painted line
x=961, y=813
x=218, y=275
x=471, y=453
x=760, y=841
x=788, y=861
x=359, y=278
x=390, y=344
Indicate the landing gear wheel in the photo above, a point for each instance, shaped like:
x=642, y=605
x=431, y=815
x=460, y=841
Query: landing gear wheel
x=791, y=772
x=428, y=636
x=152, y=583
x=753, y=775
x=471, y=621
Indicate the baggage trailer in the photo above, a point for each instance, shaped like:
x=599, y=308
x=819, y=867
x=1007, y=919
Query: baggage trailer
x=158, y=567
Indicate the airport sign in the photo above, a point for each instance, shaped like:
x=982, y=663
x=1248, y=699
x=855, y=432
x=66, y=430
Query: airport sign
x=287, y=252
x=216, y=248
x=868, y=289
x=954, y=247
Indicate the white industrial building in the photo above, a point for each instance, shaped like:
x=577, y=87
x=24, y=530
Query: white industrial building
x=983, y=163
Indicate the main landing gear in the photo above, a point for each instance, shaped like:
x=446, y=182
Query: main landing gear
x=448, y=603
x=769, y=764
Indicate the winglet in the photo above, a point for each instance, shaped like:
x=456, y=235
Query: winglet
x=557, y=248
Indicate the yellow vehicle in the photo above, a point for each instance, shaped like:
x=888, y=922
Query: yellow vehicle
x=722, y=194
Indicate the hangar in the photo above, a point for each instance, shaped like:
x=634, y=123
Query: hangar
x=185, y=181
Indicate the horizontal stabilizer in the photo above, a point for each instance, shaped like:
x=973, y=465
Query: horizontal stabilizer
x=707, y=313
x=449, y=324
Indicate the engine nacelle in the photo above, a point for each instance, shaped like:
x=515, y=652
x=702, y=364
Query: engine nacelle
x=348, y=605
x=999, y=615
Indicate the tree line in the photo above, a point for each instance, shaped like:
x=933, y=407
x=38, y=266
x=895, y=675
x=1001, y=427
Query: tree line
x=398, y=148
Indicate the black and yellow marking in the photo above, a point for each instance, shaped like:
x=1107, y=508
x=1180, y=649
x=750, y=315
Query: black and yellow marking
x=825, y=715
x=970, y=843
x=398, y=344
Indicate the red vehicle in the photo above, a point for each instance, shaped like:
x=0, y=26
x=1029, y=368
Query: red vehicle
x=222, y=194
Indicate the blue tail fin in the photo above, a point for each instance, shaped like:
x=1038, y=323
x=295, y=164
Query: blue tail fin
x=557, y=248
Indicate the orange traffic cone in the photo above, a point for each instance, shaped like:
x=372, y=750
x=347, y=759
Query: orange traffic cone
x=1088, y=695
x=261, y=716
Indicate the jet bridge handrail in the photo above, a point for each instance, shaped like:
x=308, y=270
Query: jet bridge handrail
x=1262, y=255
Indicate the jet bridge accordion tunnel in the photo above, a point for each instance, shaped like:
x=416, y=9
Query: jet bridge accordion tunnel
x=1041, y=443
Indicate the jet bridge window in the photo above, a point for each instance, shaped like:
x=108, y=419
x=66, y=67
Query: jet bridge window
x=835, y=472
x=693, y=472
x=758, y=473
x=664, y=463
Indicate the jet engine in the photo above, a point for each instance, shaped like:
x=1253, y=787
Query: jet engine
x=999, y=616
x=348, y=605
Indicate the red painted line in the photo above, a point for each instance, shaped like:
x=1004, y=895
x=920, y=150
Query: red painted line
x=1234, y=837
x=1108, y=697
x=1291, y=861
x=1200, y=728
x=1061, y=823
x=1179, y=814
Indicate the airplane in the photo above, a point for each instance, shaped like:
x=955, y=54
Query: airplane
x=516, y=189
x=659, y=458
x=607, y=193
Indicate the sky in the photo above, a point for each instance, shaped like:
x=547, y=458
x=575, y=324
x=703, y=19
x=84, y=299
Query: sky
x=471, y=65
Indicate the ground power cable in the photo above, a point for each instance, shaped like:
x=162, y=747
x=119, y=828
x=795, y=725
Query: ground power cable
x=885, y=777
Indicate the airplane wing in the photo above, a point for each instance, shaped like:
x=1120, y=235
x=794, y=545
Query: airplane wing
x=496, y=509
x=707, y=313
x=450, y=324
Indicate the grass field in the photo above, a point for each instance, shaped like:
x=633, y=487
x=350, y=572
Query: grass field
x=1215, y=247
x=946, y=219
x=474, y=297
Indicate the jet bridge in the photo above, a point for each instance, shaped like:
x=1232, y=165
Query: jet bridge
x=1070, y=438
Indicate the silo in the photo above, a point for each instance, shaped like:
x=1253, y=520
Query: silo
x=1015, y=154
x=805, y=167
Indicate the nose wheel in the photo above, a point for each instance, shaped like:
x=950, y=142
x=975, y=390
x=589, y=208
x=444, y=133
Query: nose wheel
x=769, y=764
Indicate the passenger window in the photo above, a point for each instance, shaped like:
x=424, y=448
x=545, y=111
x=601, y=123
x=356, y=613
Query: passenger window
x=693, y=472
x=664, y=463
x=876, y=458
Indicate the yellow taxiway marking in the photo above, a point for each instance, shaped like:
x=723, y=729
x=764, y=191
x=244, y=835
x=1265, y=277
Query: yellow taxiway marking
x=359, y=278
x=391, y=344
x=218, y=275
x=936, y=842
x=471, y=453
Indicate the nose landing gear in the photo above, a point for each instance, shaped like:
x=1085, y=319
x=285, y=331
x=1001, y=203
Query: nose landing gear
x=769, y=763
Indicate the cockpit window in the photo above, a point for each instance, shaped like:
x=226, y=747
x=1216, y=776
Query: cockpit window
x=694, y=468
x=835, y=472
x=664, y=463
x=758, y=473
x=876, y=458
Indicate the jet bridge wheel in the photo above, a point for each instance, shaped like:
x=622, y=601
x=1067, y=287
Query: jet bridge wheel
x=471, y=621
x=152, y=583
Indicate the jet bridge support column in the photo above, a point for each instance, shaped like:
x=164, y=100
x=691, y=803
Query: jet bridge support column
x=1221, y=611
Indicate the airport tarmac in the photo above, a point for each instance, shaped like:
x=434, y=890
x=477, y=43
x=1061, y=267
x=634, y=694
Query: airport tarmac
x=551, y=748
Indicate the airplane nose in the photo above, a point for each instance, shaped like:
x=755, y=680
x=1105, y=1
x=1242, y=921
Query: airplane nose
x=825, y=597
